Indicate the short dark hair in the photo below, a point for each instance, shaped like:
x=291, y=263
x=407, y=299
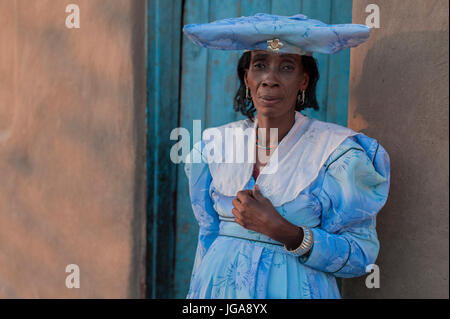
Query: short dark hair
x=246, y=107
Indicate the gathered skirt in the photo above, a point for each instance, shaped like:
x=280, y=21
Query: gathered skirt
x=235, y=268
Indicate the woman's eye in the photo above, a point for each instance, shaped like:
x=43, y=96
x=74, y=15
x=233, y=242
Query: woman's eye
x=288, y=68
x=259, y=65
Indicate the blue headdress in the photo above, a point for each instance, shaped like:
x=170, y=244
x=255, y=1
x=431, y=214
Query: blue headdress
x=280, y=34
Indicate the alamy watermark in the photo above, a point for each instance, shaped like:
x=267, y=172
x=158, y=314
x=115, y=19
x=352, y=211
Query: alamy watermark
x=373, y=279
x=73, y=279
x=73, y=19
x=228, y=145
x=373, y=19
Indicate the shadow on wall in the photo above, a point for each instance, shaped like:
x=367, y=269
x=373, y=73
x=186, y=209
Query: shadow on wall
x=403, y=95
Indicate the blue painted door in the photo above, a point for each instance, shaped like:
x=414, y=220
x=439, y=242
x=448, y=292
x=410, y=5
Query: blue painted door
x=204, y=90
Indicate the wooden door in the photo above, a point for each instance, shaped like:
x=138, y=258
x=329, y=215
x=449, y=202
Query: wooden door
x=189, y=83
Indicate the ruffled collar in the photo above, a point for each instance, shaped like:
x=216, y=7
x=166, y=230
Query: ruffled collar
x=294, y=164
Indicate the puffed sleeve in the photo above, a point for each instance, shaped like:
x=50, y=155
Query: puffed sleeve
x=199, y=177
x=355, y=188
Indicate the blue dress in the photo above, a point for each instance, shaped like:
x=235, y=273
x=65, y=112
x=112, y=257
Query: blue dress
x=338, y=196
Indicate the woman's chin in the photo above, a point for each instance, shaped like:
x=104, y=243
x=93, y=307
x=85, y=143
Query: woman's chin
x=268, y=109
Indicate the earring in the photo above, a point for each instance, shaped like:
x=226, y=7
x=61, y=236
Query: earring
x=302, y=99
x=247, y=96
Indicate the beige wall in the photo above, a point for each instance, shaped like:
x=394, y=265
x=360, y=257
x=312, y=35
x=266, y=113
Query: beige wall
x=72, y=134
x=399, y=95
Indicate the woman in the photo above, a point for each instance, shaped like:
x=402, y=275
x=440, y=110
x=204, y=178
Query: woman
x=287, y=226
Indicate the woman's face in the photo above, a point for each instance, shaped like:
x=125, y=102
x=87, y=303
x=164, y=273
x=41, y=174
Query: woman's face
x=274, y=81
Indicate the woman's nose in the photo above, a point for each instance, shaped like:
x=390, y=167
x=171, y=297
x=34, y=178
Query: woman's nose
x=270, y=83
x=270, y=80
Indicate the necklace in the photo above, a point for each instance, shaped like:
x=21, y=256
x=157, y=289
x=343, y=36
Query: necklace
x=263, y=146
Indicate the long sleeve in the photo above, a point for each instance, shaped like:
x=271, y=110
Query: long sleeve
x=355, y=187
x=199, y=181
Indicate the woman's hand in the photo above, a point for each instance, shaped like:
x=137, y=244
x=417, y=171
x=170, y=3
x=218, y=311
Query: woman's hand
x=255, y=212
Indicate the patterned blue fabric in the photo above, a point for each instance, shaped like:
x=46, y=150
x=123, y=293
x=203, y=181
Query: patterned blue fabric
x=298, y=33
x=341, y=207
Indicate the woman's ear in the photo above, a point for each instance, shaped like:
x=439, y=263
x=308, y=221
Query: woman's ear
x=305, y=82
x=245, y=77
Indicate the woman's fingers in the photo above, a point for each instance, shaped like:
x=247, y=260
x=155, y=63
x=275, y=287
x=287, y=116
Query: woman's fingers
x=236, y=212
x=238, y=218
x=244, y=196
x=241, y=205
x=256, y=193
x=240, y=222
x=237, y=203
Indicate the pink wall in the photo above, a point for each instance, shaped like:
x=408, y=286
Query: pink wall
x=72, y=138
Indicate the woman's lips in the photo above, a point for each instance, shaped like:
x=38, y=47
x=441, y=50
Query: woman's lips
x=270, y=99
